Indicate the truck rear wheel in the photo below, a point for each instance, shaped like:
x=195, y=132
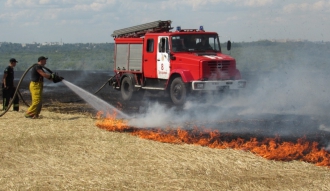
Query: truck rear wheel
x=178, y=91
x=126, y=89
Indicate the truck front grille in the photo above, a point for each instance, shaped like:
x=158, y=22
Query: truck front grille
x=216, y=66
x=216, y=70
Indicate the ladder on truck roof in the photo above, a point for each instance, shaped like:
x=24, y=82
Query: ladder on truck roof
x=141, y=30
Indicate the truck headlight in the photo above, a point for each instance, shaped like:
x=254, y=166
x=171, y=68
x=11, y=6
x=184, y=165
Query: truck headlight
x=199, y=85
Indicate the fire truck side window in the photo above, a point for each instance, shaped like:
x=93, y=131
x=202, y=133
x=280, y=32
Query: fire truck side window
x=167, y=48
x=150, y=45
x=163, y=45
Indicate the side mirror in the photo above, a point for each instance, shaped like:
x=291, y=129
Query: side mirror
x=228, y=45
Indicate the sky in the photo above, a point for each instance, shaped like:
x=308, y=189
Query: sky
x=93, y=21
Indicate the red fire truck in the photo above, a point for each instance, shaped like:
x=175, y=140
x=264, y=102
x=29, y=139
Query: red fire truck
x=152, y=57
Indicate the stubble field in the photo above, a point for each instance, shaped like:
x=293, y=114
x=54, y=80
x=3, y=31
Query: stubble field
x=65, y=150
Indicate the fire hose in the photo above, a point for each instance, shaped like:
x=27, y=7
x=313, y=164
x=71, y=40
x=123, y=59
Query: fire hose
x=56, y=78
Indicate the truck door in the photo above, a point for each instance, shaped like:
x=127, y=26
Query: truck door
x=150, y=57
x=163, y=61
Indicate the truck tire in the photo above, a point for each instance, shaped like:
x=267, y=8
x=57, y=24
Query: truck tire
x=126, y=89
x=178, y=91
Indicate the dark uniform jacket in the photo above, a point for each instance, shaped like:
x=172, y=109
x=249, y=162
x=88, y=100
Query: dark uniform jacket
x=10, y=77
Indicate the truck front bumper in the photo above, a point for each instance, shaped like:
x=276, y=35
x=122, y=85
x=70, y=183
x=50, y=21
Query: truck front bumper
x=218, y=85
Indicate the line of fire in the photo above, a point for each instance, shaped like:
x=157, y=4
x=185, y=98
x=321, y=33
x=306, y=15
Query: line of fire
x=151, y=57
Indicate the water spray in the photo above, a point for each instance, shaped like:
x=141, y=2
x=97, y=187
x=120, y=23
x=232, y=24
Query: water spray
x=97, y=103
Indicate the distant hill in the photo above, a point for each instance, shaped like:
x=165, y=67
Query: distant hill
x=251, y=56
x=79, y=56
x=275, y=56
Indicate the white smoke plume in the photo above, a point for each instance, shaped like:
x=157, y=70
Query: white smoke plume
x=294, y=100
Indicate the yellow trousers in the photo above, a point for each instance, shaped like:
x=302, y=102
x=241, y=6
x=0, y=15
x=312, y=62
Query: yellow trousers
x=36, y=89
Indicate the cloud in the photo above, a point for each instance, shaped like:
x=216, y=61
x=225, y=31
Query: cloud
x=215, y=4
x=95, y=6
x=257, y=18
x=250, y=3
x=44, y=1
x=257, y=3
x=26, y=3
x=65, y=4
x=305, y=7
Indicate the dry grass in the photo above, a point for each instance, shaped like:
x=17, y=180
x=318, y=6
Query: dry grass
x=68, y=152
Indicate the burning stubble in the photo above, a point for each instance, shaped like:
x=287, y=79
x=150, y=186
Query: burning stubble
x=293, y=102
x=97, y=103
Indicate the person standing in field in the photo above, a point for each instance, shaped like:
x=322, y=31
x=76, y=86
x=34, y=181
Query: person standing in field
x=8, y=88
x=36, y=87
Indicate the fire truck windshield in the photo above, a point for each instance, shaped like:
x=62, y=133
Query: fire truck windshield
x=195, y=42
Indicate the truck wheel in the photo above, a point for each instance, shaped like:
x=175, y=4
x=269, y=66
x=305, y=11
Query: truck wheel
x=178, y=91
x=126, y=89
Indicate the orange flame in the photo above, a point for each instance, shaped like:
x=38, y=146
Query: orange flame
x=111, y=123
x=269, y=148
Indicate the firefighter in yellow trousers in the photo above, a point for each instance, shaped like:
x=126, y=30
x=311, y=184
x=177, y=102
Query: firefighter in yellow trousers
x=36, y=87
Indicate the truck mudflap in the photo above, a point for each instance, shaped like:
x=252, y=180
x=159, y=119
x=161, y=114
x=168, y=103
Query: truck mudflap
x=218, y=85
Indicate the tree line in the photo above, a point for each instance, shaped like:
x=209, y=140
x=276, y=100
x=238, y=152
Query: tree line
x=79, y=56
x=250, y=56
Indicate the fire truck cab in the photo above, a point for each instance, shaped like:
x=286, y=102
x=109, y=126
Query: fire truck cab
x=152, y=57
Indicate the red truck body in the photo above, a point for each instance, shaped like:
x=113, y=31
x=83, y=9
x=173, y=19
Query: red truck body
x=152, y=57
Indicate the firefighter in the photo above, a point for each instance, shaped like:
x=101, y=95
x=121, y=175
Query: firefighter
x=203, y=44
x=8, y=88
x=36, y=87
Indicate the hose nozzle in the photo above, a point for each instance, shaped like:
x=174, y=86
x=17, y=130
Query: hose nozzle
x=56, y=78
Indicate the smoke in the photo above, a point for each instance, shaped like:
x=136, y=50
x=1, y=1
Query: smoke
x=327, y=148
x=279, y=93
x=325, y=129
x=298, y=92
x=291, y=100
x=192, y=114
x=156, y=115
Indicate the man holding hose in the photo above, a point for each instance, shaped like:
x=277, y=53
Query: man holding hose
x=36, y=87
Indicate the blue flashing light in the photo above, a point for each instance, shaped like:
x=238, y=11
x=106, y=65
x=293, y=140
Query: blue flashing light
x=201, y=28
x=178, y=28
